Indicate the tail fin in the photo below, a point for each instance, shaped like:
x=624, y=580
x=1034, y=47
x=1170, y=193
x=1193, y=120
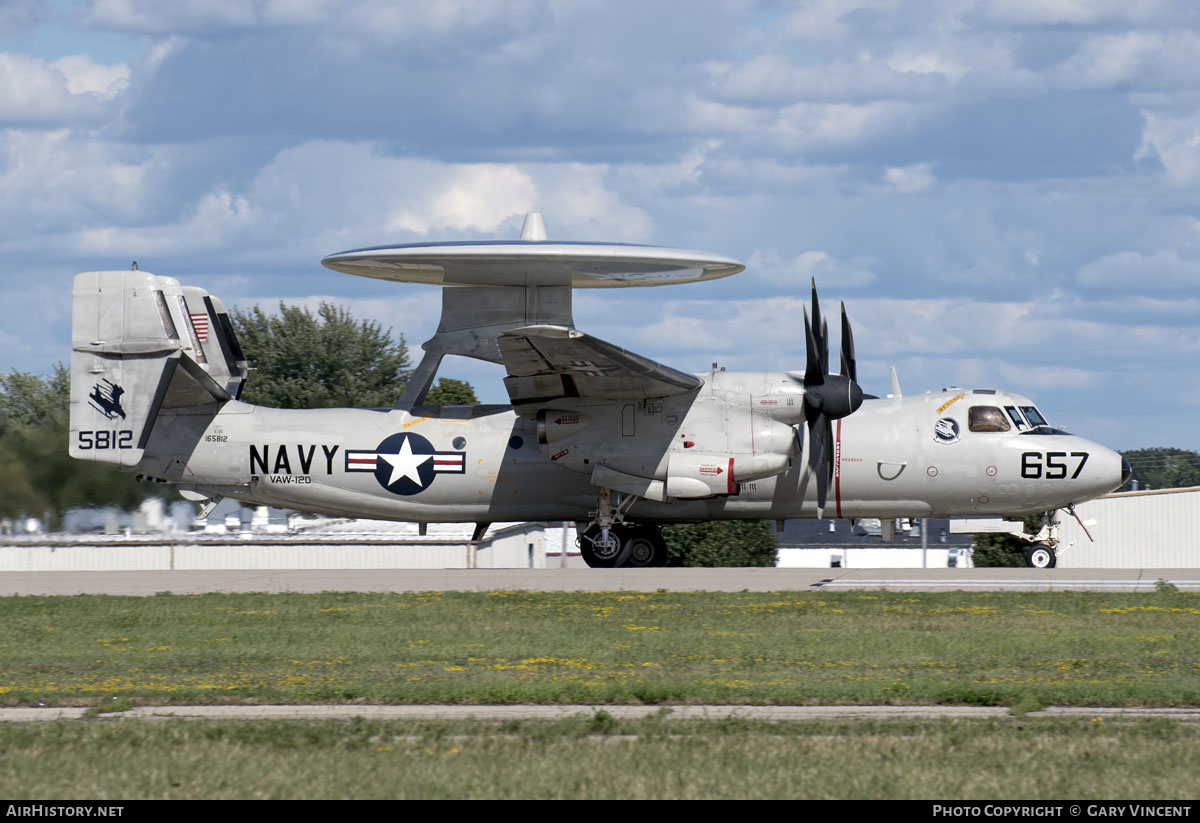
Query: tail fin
x=142, y=343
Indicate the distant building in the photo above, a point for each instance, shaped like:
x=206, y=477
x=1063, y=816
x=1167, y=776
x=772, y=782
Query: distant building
x=833, y=544
x=1134, y=530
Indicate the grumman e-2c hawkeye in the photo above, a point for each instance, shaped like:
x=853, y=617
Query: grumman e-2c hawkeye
x=614, y=441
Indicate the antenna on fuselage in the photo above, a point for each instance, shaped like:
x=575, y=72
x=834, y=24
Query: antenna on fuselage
x=895, y=382
x=533, y=229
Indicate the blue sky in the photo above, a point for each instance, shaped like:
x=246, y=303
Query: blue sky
x=1005, y=193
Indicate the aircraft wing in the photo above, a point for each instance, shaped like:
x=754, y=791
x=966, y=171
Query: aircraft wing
x=548, y=362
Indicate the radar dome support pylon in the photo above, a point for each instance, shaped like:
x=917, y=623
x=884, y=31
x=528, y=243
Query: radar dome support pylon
x=473, y=317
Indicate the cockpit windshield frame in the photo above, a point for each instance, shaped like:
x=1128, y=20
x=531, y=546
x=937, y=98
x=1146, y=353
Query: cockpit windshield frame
x=1017, y=419
x=1034, y=416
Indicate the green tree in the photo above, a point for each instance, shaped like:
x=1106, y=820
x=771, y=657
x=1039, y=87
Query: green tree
x=1163, y=468
x=302, y=361
x=721, y=543
x=31, y=400
x=1004, y=550
x=451, y=392
x=37, y=476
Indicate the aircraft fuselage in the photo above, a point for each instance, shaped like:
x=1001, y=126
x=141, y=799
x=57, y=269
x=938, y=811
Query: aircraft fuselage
x=915, y=456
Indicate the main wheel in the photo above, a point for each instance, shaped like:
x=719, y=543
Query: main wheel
x=1041, y=557
x=648, y=549
x=596, y=553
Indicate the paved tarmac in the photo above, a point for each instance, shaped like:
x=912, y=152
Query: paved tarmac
x=756, y=580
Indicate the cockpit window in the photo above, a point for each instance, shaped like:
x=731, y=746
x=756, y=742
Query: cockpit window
x=1034, y=416
x=1017, y=419
x=987, y=419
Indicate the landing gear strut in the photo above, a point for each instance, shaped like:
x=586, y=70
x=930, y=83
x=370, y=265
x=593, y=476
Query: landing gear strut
x=609, y=542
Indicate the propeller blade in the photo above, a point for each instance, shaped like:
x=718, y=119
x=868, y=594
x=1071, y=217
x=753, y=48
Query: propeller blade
x=820, y=461
x=824, y=347
x=849, y=365
x=816, y=306
x=813, y=375
x=819, y=329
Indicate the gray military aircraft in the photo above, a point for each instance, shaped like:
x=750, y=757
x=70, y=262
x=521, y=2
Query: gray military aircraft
x=594, y=434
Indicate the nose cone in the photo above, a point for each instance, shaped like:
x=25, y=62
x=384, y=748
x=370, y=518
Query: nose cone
x=1104, y=472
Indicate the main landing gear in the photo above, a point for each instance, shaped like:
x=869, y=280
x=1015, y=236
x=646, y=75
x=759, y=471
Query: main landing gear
x=625, y=546
x=609, y=542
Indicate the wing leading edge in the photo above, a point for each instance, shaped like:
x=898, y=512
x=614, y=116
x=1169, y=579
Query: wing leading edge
x=549, y=362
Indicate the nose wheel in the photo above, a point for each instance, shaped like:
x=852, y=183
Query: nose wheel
x=623, y=547
x=1041, y=557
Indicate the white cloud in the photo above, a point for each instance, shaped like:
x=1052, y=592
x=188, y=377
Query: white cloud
x=84, y=76
x=472, y=198
x=1071, y=340
x=349, y=22
x=927, y=62
x=578, y=204
x=826, y=22
x=151, y=17
x=805, y=126
x=735, y=172
x=299, y=12
x=217, y=221
x=54, y=179
x=341, y=192
x=1175, y=141
x=771, y=80
x=1132, y=59
x=19, y=14
x=68, y=90
x=795, y=274
x=1135, y=271
x=909, y=179
x=384, y=19
x=1074, y=12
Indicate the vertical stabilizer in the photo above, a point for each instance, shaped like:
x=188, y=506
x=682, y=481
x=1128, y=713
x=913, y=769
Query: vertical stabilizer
x=135, y=350
x=215, y=340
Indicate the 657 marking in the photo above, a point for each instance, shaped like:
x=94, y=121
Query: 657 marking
x=104, y=439
x=1054, y=467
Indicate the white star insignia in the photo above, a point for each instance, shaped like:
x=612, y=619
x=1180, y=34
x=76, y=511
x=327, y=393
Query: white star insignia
x=405, y=464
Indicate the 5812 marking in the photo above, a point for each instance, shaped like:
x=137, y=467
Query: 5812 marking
x=104, y=439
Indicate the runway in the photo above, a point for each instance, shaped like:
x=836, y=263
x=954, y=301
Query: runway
x=146, y=583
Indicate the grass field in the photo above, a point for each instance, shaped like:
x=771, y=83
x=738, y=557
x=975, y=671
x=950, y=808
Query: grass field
x=1023, y=649
x=598, y=757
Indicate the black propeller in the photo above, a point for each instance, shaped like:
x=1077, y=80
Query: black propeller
x=827, y=397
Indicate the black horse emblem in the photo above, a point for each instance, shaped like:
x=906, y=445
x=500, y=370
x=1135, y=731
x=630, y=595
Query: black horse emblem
x=106, y=399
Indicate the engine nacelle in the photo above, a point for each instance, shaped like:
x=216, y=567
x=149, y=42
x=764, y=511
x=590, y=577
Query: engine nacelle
x=557, y=425
x=698, y=474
